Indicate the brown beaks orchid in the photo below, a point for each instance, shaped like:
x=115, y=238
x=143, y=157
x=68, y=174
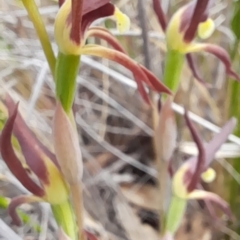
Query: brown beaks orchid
x=190, y=20
x=186, y=181
x=72, y=30
x=40, y=173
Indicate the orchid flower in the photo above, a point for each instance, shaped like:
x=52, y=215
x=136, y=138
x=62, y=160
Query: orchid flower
x=188, y=21
x=72, y=30
x=186, y=180
x=40, y=173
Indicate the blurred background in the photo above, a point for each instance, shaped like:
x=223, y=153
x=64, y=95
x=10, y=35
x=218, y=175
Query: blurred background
x=115, y=126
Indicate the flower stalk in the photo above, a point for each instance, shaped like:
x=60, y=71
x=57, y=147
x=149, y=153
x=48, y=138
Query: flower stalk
x=188, y=21
x=172, y=70
x=37, y=21
x=186, y=181
x=65, y=218
x=232, y=108
x=165, y=138
x=69, y=157
x=175, y=214
x=66, y=73
x=52, y=187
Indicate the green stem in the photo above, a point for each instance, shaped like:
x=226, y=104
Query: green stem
x=171, y=78
x=36, y=19
x=172, y=69
x=65, y=75
x=175, y=214
x=234, y=110
x=65, y=218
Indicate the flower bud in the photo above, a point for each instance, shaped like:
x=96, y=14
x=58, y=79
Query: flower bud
x=166, y=132
x=67, y=147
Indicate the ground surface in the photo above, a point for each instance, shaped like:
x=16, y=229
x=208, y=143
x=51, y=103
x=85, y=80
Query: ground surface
x=121, y=197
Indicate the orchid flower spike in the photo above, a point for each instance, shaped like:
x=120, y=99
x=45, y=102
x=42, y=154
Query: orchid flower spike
x=40, y=173
x=72, y=29
x=187, y=22
x=186, y=182
x=189, y=175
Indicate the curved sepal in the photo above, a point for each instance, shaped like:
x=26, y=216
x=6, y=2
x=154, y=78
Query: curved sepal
x=159, y=13
x=201, y=154
x=11, y=159
x=104, y=34
x=193, y=68
x=140, y=73
x=39, y=160
x=218, y=52
x=212, y=197
x=152, y=82
x=31, y=147
x=17, y=201
x=188, y=175
x=213, y=146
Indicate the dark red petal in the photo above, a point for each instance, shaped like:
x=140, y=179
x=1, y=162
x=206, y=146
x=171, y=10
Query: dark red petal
x=91, y=5
x=186, y=16
x=151, y=81
x=60, y=2
x=159, y=13
x=10, y=158
x=15, y=202
x=201, y=155
x=221, y=137
x=193, y=68
x=209, y=206
x=20, y=123
x=141, y=89
x=212, y=197
x=32, y=149
x=76, y=16
x=123, y=59
x=154, y=83
x=223, y=56
x=198, y=15
x=104, y=34
x=214, y=145
x=104, y=11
